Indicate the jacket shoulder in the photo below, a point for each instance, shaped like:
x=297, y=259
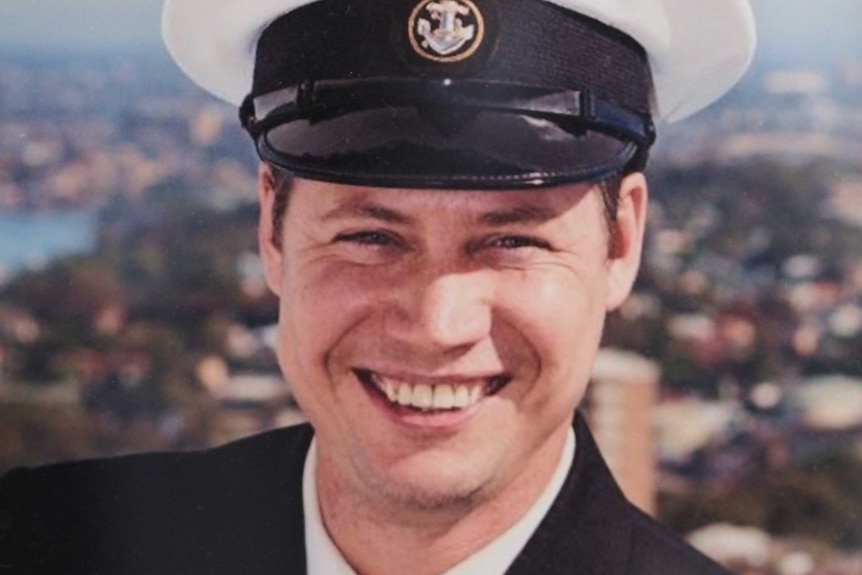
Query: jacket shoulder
x=157, y=512
x=593, y=529
x=658, y=550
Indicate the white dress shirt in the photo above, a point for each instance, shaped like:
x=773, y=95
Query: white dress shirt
x=324, y=558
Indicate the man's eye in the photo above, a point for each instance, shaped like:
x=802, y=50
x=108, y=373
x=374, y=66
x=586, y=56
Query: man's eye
x=367, y=238
x=516, y=242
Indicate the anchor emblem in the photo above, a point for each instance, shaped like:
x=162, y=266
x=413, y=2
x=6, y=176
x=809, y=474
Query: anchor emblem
x=446, y=30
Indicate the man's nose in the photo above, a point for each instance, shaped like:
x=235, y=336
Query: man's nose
x=446, y=311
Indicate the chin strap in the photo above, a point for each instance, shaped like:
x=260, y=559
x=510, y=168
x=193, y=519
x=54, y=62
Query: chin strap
x=573, y=110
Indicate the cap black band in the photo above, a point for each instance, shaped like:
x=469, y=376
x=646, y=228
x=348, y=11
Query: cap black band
x=534, y=43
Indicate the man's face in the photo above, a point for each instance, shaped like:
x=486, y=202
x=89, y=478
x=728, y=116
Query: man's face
x=439, y=341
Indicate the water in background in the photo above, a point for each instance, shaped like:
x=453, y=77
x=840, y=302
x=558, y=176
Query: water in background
x=31, y=240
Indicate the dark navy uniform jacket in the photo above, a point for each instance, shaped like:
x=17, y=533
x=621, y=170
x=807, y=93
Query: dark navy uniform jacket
x=237, y=509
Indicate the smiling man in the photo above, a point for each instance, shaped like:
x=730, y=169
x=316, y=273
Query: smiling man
x=439, y=341
x=452, y=200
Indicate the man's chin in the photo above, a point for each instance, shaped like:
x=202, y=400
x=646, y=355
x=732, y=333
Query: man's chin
x=429, y=482
x=425, y=497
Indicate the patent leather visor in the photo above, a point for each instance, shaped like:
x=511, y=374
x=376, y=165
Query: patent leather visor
x=444, y=133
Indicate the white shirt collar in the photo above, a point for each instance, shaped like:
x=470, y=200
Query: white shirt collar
x=324, y=558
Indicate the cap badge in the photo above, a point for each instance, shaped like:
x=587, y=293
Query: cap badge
x=446, y=30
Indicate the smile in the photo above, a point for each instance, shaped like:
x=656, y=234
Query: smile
x=428, y=397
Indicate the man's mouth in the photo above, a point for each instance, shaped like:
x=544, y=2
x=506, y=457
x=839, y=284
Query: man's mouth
x=430, y=397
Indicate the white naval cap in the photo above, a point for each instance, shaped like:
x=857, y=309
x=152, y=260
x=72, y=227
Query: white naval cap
x=460, y=94
x=697, y=49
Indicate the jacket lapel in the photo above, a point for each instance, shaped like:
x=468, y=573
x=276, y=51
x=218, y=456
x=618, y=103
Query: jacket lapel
x=588, y=529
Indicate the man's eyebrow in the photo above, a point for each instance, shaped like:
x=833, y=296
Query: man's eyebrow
x=360, y=208
x=522, y=214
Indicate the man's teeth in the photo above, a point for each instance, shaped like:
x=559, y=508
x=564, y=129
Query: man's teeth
x=427, y=397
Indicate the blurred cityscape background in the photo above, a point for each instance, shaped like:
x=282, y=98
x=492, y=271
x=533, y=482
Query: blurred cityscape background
x=728, y=395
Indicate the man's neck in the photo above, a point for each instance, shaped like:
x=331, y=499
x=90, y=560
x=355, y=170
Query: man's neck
x=389, y=539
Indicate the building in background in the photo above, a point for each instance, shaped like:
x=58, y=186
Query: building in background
x=620, y=405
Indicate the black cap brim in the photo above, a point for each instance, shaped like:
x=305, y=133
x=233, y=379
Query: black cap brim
x=412, y=147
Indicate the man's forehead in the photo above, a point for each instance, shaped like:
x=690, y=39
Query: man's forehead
x=331, y=202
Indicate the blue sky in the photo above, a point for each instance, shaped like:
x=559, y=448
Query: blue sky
x=801, y=31
x=90, y=24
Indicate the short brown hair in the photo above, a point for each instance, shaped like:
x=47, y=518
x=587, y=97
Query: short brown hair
x=282, y=184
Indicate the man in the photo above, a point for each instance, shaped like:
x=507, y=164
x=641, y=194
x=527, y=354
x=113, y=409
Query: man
x=452, y=199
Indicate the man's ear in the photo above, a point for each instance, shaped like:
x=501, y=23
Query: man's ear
x=627, y=243
x=270, y=251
